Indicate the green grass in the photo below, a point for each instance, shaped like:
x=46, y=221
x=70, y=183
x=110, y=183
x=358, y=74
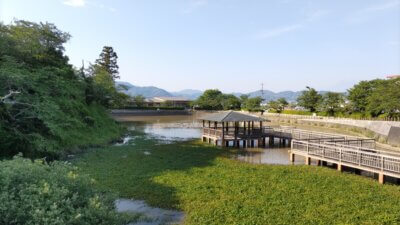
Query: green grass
x=212, y=188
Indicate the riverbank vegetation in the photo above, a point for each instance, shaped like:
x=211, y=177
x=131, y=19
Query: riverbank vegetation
x=48, y=108
x=41, y=193
x=213, y=188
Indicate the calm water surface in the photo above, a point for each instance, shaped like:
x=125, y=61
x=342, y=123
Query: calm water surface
x=180, y=128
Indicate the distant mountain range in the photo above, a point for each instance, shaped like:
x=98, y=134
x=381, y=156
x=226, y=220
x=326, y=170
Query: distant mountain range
x=150, y=92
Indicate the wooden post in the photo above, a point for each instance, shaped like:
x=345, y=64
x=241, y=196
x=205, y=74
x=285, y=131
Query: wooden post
x=291, y=157
x=308, y=160
x=381, y=178
x=223, y=134
x=339, y=167
x=271, y=140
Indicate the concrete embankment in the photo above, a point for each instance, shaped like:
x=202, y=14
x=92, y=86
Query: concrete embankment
x=383, y=131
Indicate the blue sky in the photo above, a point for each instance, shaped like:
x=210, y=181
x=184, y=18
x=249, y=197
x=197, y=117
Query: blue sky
x=233, y=45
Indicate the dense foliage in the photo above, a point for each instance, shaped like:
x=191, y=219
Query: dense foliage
x=367, y=99
x=278, y=105
x=214, y=99
x=213, y=188
x=309, y=99
x=46, y=106
x=38, y=193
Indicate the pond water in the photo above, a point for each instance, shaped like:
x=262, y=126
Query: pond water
x=153, y=216
x=181, y=128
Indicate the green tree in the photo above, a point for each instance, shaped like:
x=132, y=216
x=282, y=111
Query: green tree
x=139, y=100
x=108, y=61
x=309, y=99
x=332, y=103
x=230, y=102
x=252, y=104
x=359, y=94
x=278, y=105
x=210, y=99
x=385, y=99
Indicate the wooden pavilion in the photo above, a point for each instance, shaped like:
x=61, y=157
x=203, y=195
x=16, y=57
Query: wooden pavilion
x=234, y=129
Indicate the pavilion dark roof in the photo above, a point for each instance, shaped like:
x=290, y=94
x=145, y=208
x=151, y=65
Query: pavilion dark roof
x=231, y=116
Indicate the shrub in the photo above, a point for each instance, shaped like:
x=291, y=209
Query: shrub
x=40, y=193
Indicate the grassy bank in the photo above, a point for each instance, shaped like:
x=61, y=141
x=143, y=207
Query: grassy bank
x=212, y=188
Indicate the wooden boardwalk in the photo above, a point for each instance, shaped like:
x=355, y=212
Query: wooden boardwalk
x=351, y=155
x=340, y=150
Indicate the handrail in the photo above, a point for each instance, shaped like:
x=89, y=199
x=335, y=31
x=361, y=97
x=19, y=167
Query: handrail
x=378, y=160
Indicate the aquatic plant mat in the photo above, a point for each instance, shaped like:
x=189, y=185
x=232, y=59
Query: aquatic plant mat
x=212, y=188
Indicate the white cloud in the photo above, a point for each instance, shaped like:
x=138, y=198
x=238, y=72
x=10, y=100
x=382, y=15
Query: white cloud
x=309, y=18
x=75, y=3
x=278, y=31
x=195, y=4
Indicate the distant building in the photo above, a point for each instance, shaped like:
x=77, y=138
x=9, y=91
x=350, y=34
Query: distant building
x=168, y=102
x=393, y=76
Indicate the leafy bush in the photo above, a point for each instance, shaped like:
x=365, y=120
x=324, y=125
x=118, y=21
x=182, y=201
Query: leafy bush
x=38, y=193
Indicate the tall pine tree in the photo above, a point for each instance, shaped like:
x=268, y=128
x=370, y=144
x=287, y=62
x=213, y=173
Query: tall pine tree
x=108, y=61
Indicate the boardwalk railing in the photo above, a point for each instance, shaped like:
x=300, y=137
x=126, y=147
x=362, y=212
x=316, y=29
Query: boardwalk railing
x=368, y=159
x=307, y=135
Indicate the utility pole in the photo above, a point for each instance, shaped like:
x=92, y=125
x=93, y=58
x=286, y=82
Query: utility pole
x=262, y=90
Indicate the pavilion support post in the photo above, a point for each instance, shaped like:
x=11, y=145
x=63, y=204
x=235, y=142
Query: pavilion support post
x=271, y=140
x=291, y=157
x=263, y=142
x=381, y=178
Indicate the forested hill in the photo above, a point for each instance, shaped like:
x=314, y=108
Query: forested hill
x=47, y=108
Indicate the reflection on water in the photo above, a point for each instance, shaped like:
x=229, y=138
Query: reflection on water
x=268, y=155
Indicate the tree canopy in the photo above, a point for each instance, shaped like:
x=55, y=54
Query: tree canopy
x=309, y=99
x=50, y=105
x=108, y=61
